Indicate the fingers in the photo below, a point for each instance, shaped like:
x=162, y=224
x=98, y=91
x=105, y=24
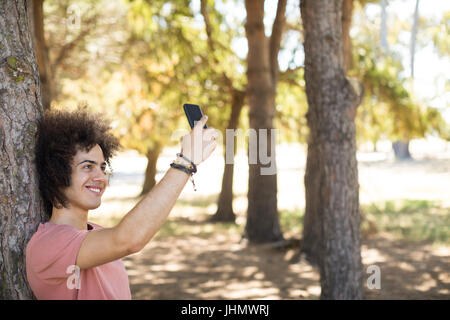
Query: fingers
x=209, y=148
x=199, y=143
x=210, y=134
x=201, y=123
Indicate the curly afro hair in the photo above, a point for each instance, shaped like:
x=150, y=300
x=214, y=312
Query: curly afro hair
x=61, y=134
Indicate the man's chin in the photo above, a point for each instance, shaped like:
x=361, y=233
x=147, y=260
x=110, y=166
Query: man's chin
x=94, y=206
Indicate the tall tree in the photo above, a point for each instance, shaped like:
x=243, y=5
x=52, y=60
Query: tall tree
x=219, y=54
x=262, y=75
x=172, y=65
x=383, y=29
x=20, y=206
x=401, y=147
x=69, y=37
x=41, y=51
x=225, y=211
x=312, y=225
x=331, y=177
x=347, y=13
x=414, y=37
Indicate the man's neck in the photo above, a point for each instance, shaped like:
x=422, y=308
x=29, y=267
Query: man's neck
x=75, y=218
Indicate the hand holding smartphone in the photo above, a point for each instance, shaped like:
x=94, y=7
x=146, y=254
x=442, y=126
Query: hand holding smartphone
x=193, y=114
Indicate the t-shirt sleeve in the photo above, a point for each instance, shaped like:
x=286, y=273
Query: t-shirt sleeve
x=53, y=255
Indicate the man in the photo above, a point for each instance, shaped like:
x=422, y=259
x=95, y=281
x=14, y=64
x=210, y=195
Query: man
x=69, y=257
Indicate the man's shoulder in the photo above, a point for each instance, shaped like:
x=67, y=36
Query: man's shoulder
x=51, y=234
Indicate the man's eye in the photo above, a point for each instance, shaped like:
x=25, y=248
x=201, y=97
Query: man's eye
x=88, y=166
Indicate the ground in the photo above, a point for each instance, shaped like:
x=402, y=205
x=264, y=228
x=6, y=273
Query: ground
x=405, y=231
x=222, y=267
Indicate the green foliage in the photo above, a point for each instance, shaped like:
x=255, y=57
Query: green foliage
x=159, y=69
x=416, y=220
x=291, y=222
x=291, y=109
x=388, y=110
x=438, y=33
x=84, y=40
x=176, y=62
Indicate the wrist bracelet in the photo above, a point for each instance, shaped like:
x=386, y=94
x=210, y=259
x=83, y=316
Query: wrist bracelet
x=194, y=167
x=181, y=162
x=189, y=171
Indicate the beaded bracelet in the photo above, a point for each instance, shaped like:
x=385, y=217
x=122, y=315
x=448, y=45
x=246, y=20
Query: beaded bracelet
x=194, y=167
x=189, y=171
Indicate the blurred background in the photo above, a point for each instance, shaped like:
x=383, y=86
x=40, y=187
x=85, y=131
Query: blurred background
x=137, y=62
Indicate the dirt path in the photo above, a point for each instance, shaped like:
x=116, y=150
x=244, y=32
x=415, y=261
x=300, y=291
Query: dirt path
x=224, y=267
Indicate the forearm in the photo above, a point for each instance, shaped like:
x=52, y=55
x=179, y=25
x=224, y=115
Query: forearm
x=146, y=218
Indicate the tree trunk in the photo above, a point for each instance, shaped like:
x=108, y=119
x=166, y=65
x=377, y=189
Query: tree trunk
x=383, y=29
x=414, y=36
x=225, y=211
x=347, y=12
x=262, y=75
x=150, y=171
x=331, y=178
x=312, y=225
x=41, y=51
x=401, y=150
x=21, y=209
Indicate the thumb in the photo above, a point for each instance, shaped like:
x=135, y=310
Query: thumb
x=200, y=124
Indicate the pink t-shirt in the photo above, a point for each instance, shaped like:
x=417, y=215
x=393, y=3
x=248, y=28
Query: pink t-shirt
x=50, y=262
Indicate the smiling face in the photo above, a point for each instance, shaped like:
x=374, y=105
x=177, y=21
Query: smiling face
x=89, y=180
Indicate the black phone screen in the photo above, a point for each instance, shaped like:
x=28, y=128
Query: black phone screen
x=193, y=113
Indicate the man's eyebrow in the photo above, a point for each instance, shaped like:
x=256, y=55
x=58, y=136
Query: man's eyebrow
x=91, y=161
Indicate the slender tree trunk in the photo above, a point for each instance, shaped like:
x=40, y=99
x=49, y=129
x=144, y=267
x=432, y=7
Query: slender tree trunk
x=41, y=51
x=331, y=178
x=383, y=29
x=225, y=211
x=347, y=12
x=21, y=208
x=150, y=171
x=414, y=37
x=262, y=75
x=401, y=150
x=401, y=147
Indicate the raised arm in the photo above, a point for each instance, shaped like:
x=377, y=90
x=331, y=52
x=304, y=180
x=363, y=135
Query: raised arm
x=139, y=225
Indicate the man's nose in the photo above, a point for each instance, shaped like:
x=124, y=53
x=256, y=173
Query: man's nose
x=99, y=175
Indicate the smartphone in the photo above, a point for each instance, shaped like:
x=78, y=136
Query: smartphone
x=193, y=114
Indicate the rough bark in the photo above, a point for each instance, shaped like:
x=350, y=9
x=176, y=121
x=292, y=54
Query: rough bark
x=150, y=171
x=262, y=74
x=331, y=178
x=21, y=209
x=225, y=211
x=311, y=230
